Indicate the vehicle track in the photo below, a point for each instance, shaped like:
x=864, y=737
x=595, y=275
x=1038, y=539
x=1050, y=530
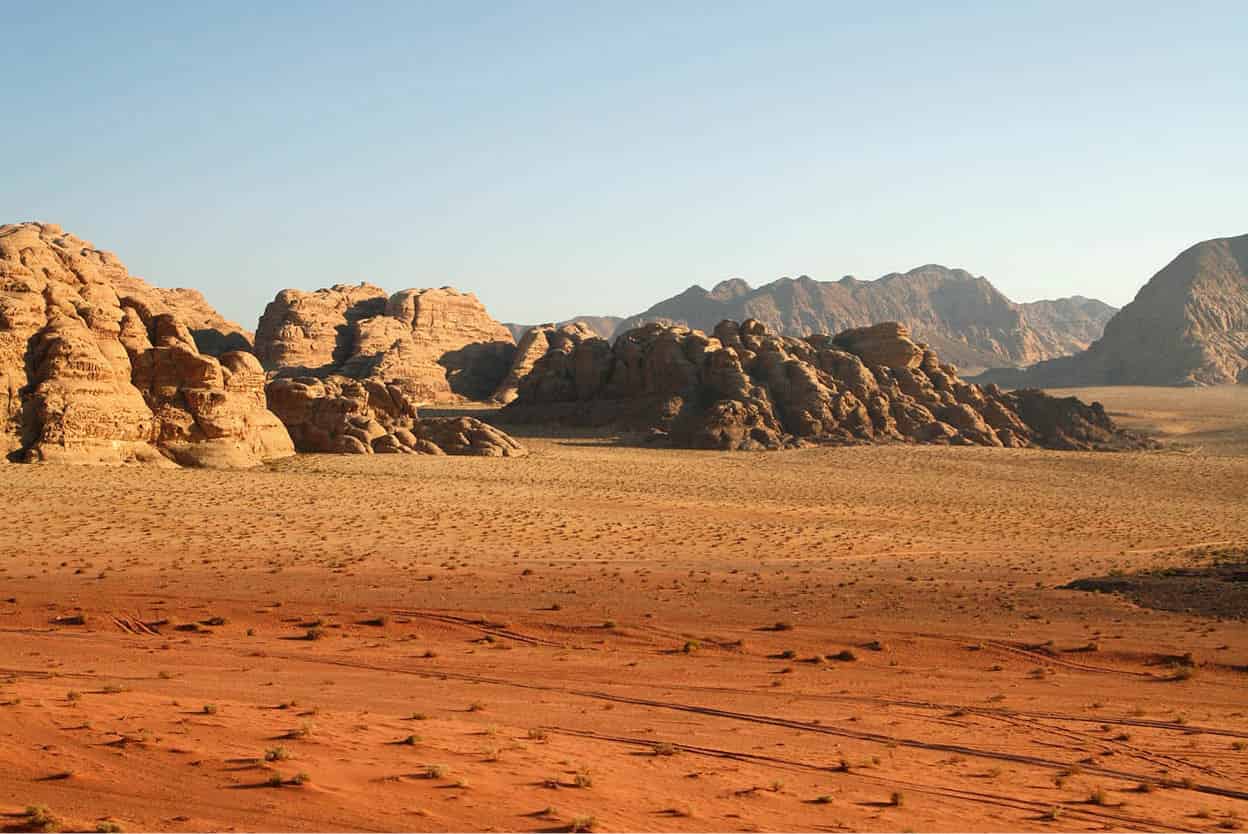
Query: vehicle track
x=858, y=735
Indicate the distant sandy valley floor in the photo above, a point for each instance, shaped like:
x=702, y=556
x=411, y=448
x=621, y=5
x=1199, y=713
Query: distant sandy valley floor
x=625, y=638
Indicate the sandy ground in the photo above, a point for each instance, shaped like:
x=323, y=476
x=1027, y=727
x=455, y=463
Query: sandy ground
x=629, y=638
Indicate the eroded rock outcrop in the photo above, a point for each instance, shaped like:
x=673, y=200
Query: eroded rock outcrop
x=744, y=388
x=339, y=414
x=535, y=344
x=439, y=345
x=96, y=366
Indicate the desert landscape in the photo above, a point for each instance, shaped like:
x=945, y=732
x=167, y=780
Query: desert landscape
x=672, y=417
x=605, y=635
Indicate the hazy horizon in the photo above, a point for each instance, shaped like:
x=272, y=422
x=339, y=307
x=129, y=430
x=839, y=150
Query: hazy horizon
x=563, y=161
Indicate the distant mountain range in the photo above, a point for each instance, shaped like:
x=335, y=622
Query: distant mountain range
x=963, y=317
x=1187, y=326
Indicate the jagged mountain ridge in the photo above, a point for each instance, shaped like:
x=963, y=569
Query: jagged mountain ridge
x=964, y=317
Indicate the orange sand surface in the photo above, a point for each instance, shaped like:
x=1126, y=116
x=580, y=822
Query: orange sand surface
x=616, y=637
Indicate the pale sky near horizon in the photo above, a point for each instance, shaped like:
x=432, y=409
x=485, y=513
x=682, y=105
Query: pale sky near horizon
x=563, y=159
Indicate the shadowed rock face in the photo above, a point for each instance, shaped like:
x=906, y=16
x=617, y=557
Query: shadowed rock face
x=213, y=334
x=743, y=388
x=338, y=414
x=964, y=318
x=98, y=367
x=1187, y=326
x=440, y=345
x=535, y=344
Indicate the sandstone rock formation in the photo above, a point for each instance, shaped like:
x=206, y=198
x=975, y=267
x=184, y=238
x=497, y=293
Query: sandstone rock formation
x=744, y=388
x=1187, y=326
x=533, y=346
x=439, y=345
x=962, y=317
x=96, y=366
x=339, y=414
x=213, y=334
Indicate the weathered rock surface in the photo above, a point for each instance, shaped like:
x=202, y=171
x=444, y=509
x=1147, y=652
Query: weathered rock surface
x=535, y=344
x=1187, y=326
x=96, y=366
x=744, y=388
x=213, y=334
x=339, y=414
x=962, y=317
x=439, y=345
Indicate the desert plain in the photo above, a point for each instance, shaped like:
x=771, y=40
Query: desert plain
x=609, y=636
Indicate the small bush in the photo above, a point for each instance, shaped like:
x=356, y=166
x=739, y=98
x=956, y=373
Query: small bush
x=39, y=818
x=276, y=754
x=582, y=823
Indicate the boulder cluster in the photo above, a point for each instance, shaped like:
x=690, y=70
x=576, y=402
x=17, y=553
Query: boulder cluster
x=98, y=367
x=744, y=388
x=338, y=414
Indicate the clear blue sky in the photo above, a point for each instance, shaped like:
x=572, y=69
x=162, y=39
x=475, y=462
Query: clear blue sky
x=563, y=158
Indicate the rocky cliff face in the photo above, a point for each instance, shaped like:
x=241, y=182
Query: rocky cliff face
x=744, y=388
x=96, y=366
x=213, y=334
x=439, y=345
x=961, y=316
x=1187, y=326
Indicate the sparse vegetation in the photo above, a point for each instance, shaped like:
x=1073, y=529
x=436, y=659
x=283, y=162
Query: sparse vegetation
x=39, y=818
